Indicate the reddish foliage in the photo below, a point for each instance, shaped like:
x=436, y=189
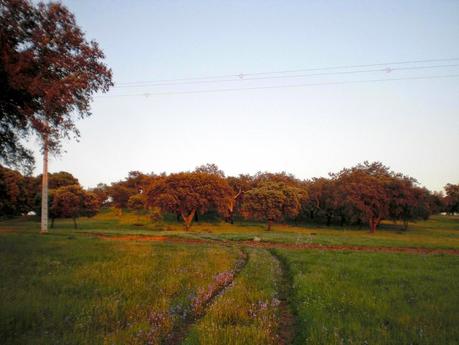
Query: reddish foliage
x=188, y=193
x=48, y=73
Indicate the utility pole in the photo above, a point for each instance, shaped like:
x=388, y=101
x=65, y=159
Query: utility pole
x=44, y=188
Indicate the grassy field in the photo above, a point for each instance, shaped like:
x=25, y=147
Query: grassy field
x=75, y=290
x=247, y=313
x=373, y=298
x=438, y=232
x=71, y=287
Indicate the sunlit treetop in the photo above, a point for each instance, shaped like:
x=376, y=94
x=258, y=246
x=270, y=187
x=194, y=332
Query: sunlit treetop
x=48, y=74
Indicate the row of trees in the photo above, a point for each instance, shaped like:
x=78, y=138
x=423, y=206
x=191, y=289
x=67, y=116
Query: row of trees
x=20, y=195
x=366, y=193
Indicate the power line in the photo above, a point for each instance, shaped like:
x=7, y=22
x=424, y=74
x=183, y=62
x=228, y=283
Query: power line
x=385, y=70
x=148, y=94
x=244, y=75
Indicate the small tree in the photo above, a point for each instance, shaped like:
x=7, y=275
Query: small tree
x=120, y=195
x=239, y=185
x=271, y=202
x=101, y=193
x=66, y=203
x=72, y=202
x=408, y=202
x=452, y=198
x=91, y=204
x=136, y=203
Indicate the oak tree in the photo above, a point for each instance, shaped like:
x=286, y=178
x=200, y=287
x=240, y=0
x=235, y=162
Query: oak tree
x=188, y=193
x=365, y=188
x=137, y=203
x=271, y=202
x=72, y=202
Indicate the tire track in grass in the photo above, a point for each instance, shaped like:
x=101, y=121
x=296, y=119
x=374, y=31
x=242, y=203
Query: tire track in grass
x=204, y=299
x=287, y=319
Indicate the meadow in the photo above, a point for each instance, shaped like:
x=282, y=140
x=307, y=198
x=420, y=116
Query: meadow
x=124, y=280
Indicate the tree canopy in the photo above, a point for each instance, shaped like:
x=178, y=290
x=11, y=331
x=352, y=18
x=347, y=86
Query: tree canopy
x=271, y=202
x=48, y=74
x=189, y=193
x=366, y=193
x=72, y=201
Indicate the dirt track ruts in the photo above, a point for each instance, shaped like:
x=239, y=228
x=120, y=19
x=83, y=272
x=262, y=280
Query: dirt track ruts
x=180, y=330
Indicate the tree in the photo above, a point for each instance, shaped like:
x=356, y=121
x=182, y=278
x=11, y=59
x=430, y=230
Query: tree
x=365, y=187
x=48, y=73
x=271, y=202
x=57, y=180
x=137, y=181
x=210, y=168
x=137, y=204
x=91, y=204
x=322, y=199
x=101, y=193
x=120, y=195
x=72, y=202
x=189, y=193
x=239, y=185
x=452, y=198
x=15, y=193
x=408, y=202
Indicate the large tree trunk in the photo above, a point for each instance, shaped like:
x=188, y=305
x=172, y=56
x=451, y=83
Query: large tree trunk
x=270, y=222
x=374, y=222
x=44, y=188
x=372, y=225
x=231, y=206
x=188, y=219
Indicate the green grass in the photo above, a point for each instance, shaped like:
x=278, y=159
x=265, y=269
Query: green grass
x=368, y=298
x=76, y=290
x=438, y=232
x=247, y=312
x=71, y=288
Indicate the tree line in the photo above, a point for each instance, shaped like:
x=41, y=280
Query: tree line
x=364, y=194
x=20, y=195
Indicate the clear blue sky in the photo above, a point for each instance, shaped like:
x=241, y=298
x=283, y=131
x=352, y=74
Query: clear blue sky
x=410, y=125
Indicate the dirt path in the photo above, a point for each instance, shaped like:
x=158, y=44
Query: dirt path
x=205, y=299
x=287, y=321
x=274, y=245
